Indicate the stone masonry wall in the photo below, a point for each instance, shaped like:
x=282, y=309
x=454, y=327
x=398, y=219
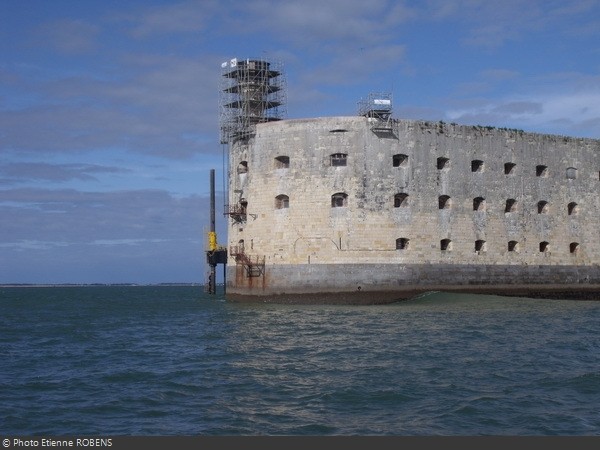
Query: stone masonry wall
x=515, y=200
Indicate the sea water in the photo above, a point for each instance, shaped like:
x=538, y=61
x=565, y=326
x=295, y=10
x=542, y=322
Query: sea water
x=164, y=360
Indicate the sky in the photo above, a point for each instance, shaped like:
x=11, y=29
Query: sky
x=109, y=114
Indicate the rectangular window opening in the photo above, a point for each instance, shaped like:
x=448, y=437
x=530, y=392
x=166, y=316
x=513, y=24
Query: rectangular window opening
x=509, y=168
x=402, y=243
x=480, y=246
x=445, y=245
x=476, y=165
x=541, y=171
x=511, y=205
x=443, y=163
x=399, y=160
x=339, y=159
x=282, y=162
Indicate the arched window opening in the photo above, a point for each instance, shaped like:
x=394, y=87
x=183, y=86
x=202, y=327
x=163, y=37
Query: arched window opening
x=339, y=200
x=509, y=168
x=574, y=247
x=400, y=160
x=573, y=209
x=400, y=200
x=282, y=162
x=571, y=173
x=242, y=167
x=542, y=207
x=544, y=247
x=476, y=165
x=479, y=204
x=445, y=245
x=444, y=202
x=480, y=246
x=402, y=244
x=513, y=246
x=339, y=159
x=282, y=202
x=443, y=163
x=541, y=171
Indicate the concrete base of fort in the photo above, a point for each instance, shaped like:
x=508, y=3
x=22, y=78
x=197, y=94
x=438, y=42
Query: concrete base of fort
x=389, y=283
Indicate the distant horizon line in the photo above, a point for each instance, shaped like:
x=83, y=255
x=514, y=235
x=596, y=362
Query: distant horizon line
x=100, y=284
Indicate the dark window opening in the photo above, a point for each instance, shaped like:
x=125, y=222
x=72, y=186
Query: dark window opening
x=242, y=167
x=479, y=204
x=282, y=202
x=513, y=246
x=400, y=200
x=338, y=130
x=444, y=202
x=402, y=243
x=574, y=247
x=541, y=171
x=339, y=159
x=573, y=208
x=480, y=246
x=509, y=168
x=399, y=160
x=544, y=247
x=542, y=207
x=443, y=163
x=445, y=244
x=511, y=205
x=339, y=200
x=476, y=165
x=282, y=162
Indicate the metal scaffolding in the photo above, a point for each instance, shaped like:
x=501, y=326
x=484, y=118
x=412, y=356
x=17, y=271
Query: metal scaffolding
x=252, y=91
x=377, y=106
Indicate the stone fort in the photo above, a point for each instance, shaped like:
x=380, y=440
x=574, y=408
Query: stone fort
x=372, y=209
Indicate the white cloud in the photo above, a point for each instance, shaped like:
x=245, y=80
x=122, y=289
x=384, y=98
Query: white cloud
x=490, y=25
x=340, y=22
x=69, y=36
x=176, y=18
x=575, y=114
x=31, y=244
x=120, y=242
x=30, y=171
x=154, y=107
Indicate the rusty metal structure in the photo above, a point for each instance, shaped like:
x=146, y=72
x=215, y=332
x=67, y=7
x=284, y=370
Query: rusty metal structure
x=254, y=266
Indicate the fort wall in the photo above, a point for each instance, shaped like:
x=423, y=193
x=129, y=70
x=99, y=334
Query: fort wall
x=342, y=205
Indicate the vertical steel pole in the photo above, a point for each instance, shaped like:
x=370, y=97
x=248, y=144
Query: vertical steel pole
x=212, y=238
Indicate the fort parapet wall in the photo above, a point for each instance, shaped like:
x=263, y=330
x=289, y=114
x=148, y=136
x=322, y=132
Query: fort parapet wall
x=353, y=207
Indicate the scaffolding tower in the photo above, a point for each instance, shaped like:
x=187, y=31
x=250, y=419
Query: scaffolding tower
x=377, y=106
x=252, y=91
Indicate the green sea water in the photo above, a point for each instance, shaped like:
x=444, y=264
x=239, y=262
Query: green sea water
x=160, y=360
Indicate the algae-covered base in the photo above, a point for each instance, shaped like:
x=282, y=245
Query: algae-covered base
x=550, y=292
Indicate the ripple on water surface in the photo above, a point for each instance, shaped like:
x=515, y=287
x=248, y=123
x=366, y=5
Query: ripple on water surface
x=170, y=360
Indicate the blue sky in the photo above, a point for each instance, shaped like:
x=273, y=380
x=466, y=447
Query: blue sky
x=109, y=109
